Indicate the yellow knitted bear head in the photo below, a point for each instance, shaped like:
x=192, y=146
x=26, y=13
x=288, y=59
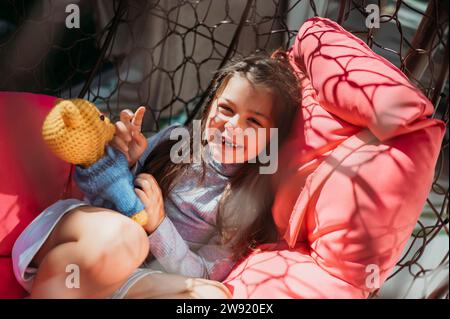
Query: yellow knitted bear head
x=77, y=132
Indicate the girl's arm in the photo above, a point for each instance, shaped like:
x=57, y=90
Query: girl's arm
x=212, y=261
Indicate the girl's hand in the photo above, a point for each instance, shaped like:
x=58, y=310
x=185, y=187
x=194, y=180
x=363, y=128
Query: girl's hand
x=151, y=196
x=128, y=137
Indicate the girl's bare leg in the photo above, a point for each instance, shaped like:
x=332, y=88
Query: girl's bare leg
x=163, y=285
x=105, y=246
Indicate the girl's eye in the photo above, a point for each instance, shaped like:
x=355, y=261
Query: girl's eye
x=225, y=109
x=254, y=121
x=102, y=117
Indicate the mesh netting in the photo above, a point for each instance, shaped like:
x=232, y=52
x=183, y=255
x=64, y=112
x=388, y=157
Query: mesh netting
x=163, y=54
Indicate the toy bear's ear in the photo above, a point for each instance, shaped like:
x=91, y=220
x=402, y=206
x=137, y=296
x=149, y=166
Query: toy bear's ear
x=70, y=114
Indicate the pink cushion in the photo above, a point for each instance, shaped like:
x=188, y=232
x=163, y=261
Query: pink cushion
x=31, y=177
x=357, y=85
x=279, y=272
x=357, y=170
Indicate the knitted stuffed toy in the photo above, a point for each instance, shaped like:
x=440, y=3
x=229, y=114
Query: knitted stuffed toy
x=78, y=133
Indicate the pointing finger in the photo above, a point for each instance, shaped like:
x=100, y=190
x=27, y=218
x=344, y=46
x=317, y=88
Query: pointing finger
x=137, y=118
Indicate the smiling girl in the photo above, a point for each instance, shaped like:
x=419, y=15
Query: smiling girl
x=203, y=217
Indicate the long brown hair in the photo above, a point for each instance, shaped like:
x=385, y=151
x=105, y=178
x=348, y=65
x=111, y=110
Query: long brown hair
x=244, y=217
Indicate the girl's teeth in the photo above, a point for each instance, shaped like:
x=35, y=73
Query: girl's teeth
x=227, y=143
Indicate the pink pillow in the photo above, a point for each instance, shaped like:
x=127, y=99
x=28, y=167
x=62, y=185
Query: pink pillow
x=357, y=85
x=279, y=273
x=356, y=172
x=31, y=177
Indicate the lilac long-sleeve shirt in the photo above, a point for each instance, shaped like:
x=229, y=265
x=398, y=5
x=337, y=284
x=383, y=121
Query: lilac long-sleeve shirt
x=187, y=240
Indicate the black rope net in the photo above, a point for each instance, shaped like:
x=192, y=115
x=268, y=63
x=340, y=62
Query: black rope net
x=163, y=54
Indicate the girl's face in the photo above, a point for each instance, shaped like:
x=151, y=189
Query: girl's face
x=239, y=121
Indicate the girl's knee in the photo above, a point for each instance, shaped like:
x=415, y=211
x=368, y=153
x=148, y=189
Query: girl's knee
x=106, y=246
x=118, y=244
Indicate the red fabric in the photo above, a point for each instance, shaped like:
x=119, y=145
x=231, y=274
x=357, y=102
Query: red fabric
x=31, y=177
x=9, y=288
x=355, y=173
